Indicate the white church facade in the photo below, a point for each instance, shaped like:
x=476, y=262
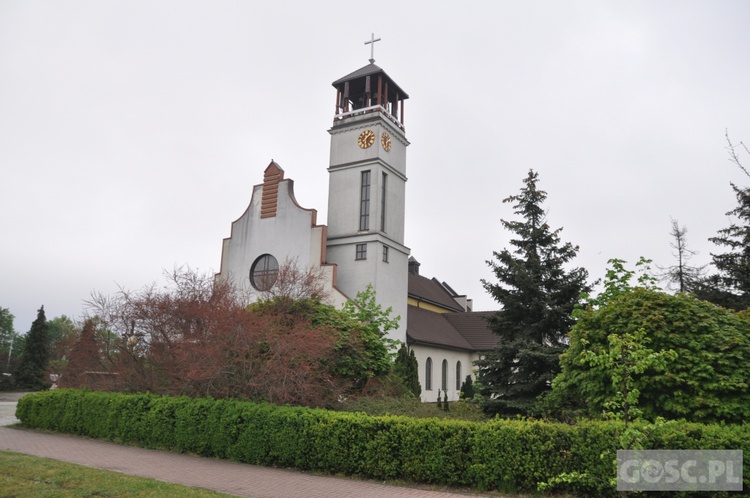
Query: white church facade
x=363, y=242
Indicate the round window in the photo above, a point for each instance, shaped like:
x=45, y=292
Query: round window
x=264, y=272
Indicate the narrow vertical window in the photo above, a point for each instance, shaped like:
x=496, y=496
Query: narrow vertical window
x=458, y=376
x=444, y=380
x=428, y=375
x=364, y=203
x=382, y=202
x=361, y=251
x=385, y=254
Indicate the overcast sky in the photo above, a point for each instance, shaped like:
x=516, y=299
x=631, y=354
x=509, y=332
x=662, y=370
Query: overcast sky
x=132, y=132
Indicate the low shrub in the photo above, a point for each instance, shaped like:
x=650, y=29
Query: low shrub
x=506, y=455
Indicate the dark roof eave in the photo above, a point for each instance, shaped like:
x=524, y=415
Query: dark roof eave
x=419, y=298
x=411, y=340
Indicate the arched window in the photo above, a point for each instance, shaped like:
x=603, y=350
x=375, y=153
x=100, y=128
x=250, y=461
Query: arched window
x=444, y=380
x=428, y=375
x=458, y=376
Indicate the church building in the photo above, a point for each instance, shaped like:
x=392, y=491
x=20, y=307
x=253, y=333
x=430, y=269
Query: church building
x=363, y=241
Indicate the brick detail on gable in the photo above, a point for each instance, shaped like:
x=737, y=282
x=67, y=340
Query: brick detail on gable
x=271, y=178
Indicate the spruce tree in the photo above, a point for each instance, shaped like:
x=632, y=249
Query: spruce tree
x=32, y=369
x=730, y=286
x=537, y=294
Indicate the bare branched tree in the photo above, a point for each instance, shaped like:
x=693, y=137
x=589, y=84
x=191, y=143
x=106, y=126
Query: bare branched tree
x=295, y=282
x=734, y=156
x=681, y=277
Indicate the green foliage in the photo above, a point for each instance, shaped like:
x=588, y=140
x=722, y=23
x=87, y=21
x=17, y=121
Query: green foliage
x=61, y=335
x=363, y=350
x=537, y=294
x=9, y=347
x=730, y=286
x=406, y=368
x=626, y=358
x=31, y=372
x=375, y=320
x=6, y=329
x=617, y=281
x=705, y=379
x=467, y=389
x=505, y=455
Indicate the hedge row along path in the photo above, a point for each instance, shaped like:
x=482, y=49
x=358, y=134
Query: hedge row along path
x=219, y=475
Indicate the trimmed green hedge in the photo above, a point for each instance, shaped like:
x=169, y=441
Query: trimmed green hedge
x=507, y=455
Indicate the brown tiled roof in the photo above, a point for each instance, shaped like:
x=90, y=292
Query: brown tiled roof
x=430, y=290
x=467, y=331
x=473, y=327
x=428, y=327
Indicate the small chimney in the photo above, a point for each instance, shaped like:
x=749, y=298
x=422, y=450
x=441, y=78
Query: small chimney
x=413, y=266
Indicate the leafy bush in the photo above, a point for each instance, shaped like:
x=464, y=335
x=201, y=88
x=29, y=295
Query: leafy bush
x=705, y=381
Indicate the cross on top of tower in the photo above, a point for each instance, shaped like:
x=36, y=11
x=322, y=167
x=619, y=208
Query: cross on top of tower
x=372, y=47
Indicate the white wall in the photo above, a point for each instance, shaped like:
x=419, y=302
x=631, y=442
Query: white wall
x=288, y=236
x=438, y=355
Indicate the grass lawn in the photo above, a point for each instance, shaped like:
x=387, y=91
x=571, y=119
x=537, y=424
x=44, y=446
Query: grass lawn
x=459, y=410
x=23, y=475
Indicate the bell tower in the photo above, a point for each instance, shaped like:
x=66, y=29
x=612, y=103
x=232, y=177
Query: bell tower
x=367, y=186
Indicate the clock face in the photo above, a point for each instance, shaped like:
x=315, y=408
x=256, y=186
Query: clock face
x=385, y=141
x=366, y=139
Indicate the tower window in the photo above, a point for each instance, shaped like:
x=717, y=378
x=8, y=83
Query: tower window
x=264, y=272
x=364, y=203
x=382, y=202
x=385, y=254
x=361, y=251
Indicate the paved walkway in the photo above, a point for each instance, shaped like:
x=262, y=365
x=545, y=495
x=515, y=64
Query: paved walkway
x=219, y=475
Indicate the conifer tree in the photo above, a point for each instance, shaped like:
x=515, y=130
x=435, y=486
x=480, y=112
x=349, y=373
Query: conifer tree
x=537, y=294
x=413, y=375
x=467, y=389
x=32, y=369
x=406, y=367
x=730, y=286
